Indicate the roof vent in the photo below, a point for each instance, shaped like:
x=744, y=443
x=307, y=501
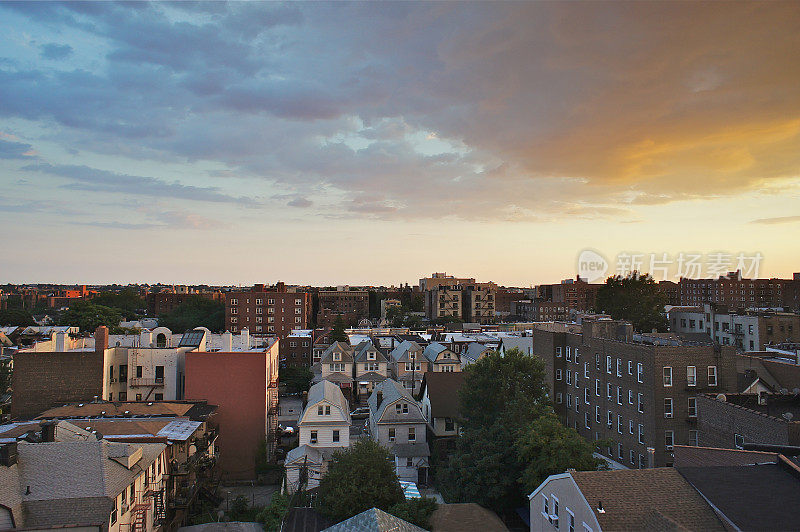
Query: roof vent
x=600, y=508
x=149, y=404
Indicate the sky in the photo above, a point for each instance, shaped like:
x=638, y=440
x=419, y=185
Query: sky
x=375, y=143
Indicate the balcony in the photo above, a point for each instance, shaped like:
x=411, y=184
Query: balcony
x=140, y=381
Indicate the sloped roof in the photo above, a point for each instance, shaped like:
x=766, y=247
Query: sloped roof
x=465, y=516
x=476, y=350
x=392, y=391
x=371, y=376
x=433, y=350
x=443, y=388
x=374, y=520
x=344, y=348
x=329, y=392
x=630, y=496
x=753, y=497
x=523, y=343
x=406, y=450
x=400, y=353
x=363, y=348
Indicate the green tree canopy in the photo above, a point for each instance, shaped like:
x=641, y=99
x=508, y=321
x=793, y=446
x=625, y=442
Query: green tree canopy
x=359, y=478
x=636, y=298
x=547, y=447
x=89, y=316
x=127, y=301
x=296, y=379
x=415, y=511
x=196, y=311
x=16, y=316
x=338, y=334
x=504, y=399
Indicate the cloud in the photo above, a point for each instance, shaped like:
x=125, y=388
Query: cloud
x=777, y=220
x=300, y=202
x=92, y=179
x=55, y=51
x=15, y=150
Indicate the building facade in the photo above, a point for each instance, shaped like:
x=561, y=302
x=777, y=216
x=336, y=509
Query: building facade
x=273, y=311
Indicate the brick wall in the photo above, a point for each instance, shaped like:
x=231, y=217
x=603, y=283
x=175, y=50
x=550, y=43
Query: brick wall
x=44, y=380
x=719, y=422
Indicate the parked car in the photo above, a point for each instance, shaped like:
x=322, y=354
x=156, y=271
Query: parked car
x=360, y=413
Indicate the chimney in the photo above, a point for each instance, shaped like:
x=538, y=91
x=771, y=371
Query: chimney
x=101, y=339
x=61, y=342
x=258, y=288
x=48, y=431
x=227, y=342
x=651, y=457
x=245, y=338
x=145, y=338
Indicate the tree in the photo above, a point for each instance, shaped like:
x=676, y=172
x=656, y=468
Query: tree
x=338, y=334
x=127, y=301
x=272, y=515
x=636, y=298
x=195, y=311
x=358, y=478
x=547, y=447
x=14, y=316
x=504, y=399
x=89, y=316
x=5, y=375
x=415, y=511
x=296, y=379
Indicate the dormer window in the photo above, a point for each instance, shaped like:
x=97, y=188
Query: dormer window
x=370, y=356
x=337, y=356
x=412, y=356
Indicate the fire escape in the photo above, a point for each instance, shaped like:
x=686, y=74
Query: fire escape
x=273, y=435
x=134, y=360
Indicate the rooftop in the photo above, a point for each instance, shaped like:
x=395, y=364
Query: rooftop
x=195, y=410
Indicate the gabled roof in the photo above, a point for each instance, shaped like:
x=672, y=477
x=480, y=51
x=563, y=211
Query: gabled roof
x=392, y=391
x=523, y=343
x=476, y=350
x=328, y=392
x=400, y=353
x=442, y=389
x=637, y=499
x=365, y=347
x=752, y=497
x=434, y=350
x=374, y=520
x=344, y=348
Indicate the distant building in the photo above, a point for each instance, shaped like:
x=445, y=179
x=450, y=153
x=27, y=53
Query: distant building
x=736, y=293
x=274, y=311
x=460, y=298
x=351, y=306
x=296, y=349
x=575, y=294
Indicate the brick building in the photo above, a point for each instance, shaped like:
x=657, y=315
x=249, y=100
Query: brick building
x=296, y=349
x=160, y=303
x=460, y=298
x=42, y=380
x=728, y=421
x=576, y=294
x=351, y=305
x=503, y=298
x=739, y=294
x=244, y=385
x=267, y=311
x=608, y=383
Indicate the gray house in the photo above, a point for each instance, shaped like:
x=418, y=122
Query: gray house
x=396, y=421
x=371, y=368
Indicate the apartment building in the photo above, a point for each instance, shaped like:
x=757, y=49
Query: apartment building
x=83, y=483
x=461, y=298
x=444, y=301
x=296, y=349
x=752, y=330
x=479, y=302
x=244, y=385
x=737, y=293
x=576, y=294
x=632, y=390
x=351, y=306
x=267, y=311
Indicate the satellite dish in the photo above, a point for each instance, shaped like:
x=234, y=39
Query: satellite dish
x=721, y=397
x=784, y=391
x=788, y=416
x=364, y=324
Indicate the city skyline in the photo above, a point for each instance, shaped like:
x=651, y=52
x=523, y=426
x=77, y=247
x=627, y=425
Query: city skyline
x=373, y=144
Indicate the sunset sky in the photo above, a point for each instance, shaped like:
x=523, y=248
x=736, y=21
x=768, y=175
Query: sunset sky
x=375, y=143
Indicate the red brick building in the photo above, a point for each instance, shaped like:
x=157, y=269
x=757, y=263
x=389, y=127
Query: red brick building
x=160, y=303
x=576, y=294
x=351, y=305
x=244, y=385
x=295, y=350
x=267, y=311
x=739, y=294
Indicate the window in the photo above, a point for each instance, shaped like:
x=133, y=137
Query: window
x=335, y=435
x=712, y=375
x=630, y=397
x=159, y=397
x=545, y=508
x=630, y=426
x=619, y=367
x=554, y=515
x=313, y=436
x=639, y=372
x=597, y=414
x=569, y=400
x=558, y=374
x=668, y=376
x=610, y=421
x=233, y=302
x=640, y=402
x=619, y=395
x=668, y=407
x=569, y=354
x=620, y=452
x=694, y=438
x=691, y=376
x=449, y=426
x=641, y=433
x=412, y=434
x=597, y=362
x=391, y=434
x=633, y=457
x=138, y=397
x=559, y=398
x=609, y=390
x=123, y=396
x=558, y=351
x=620, y=425
x=597, y=387
x=409, y=462
x=585, y=370
x=630, y=367
x=586, y=420
x=114, y=511
x=320, y=410
x=586, y=395
x=159, y=373
x=571, y=520
x=669, y=439
x=608, y=364
x=693, y=407
x=569, y=378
